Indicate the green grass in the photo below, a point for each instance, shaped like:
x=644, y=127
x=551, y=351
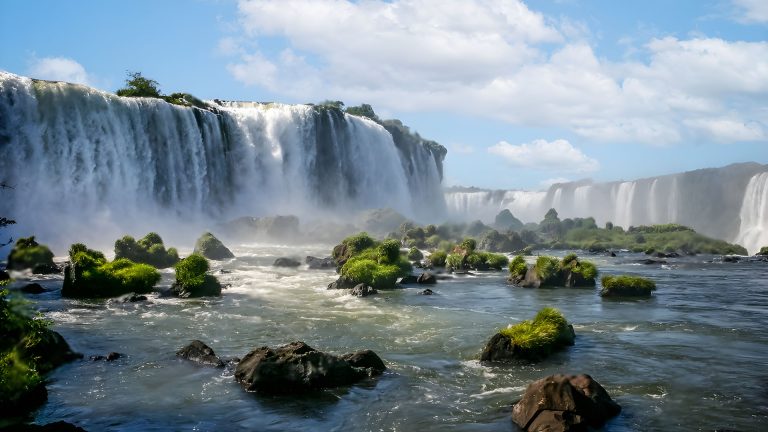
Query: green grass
x=414, y=254
x=518, y=267
x=542, y=335
x=437, y=258
x=192, y=279
x=147, y=250
x=28, y=254
x=455, y=261
x=547, y=268
x=91, y=276
x=626, y=285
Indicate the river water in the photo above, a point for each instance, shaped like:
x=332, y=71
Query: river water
x=693, y=357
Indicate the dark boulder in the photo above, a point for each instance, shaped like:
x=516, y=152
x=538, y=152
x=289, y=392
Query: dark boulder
x=109, y=357
x=426, y=278
x=342, y=282
x=4, y=275
x=130, y=298
x=315, y=263
x=212, y=248
x=367, y=360
x=731, y=259
x=651, y=261
x=564, y=403
x=363, y=290
x=299, y=368
x=33, y=288
x=200, y=353
x=427, y=292
x=51, y=352
x=286, y=262
x=407, y=280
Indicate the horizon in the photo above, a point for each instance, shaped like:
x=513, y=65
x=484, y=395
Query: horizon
x=523, y=95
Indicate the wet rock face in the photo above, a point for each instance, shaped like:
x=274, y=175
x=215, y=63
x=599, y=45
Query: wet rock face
x=564, y=403
x=200, y=353
x=363, y=290
x=315, y=263
x=299, y=368
x=286, y=262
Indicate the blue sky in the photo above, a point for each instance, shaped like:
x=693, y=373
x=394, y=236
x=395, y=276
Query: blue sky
x=521, y=93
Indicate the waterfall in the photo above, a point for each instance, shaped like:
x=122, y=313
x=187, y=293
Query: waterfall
x=728, y=203
x=86, y=164
x=753, y=233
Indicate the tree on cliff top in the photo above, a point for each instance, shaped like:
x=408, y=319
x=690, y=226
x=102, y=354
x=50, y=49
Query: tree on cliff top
x=139, y=86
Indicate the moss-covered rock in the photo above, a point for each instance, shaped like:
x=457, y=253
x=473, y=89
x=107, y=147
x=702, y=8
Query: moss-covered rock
x=147, y=250
x=29, y=254
x=89, y=275
x=517, y=269
x=192, y=279
x=415, y=254
x=531, y=340
x=437, y=258
x=364, y=260
x=552, y=272
x=212, y=248
x=763, y=251
x=626, y=286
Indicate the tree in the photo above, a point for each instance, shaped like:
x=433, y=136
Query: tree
x=363, y=110
x=139, y=86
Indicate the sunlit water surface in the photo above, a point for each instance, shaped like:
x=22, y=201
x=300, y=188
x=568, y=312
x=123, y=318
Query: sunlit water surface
x=693, y=357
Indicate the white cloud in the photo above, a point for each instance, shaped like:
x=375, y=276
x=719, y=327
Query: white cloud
x=59, y=69
x=558, y=156
x=752, y=10
x=500, y=59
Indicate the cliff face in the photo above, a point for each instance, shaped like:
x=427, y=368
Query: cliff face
x=730, y=203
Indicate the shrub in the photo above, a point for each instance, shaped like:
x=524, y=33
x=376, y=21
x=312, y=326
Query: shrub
x=388, y=252
x=351, y=246
x=625, y=285
x=547, y=332
x=370, y=272
x=763, y=251
x=192, y=279
x=547, y=268
x=89, y=275
x=469, y=245
x=138, y=86
x=518, y=267
x=496, y=261
x=437, y=258
x=29, y=254
x=414, y=254
x=148, y=250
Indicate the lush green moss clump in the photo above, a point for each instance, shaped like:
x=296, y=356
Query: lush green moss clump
x=89, y=275
x=148, y=250
x=763, y=251
x=212, y=248
x=455, y=261
x=438, y=258
x=192, y=279
x=626, y=286
x=547, y=268
x=414, y=254
x=29, y=254
x=568, y=272
x=548, y=331
x=518, y=267
x=364, y=260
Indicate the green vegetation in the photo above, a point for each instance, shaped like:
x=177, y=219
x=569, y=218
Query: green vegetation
x=518, y=267
x=546, y=333
x=626, y=286
x=89, y=275
x=136, y=85
x=28, y=254
x=763, y=251
x=438, y=258
x=414, y=254
x=212, y=248
x=547, y=268
x=364, y=260
x=148, y=250
x=455, y=261
x=192, y=279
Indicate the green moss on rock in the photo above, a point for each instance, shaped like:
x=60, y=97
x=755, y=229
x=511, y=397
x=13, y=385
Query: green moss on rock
x=361, y=259
x=626, y=286
x=192, y=279
x=531, y=340
x=89, y=275
x=212, y=248
x=29, y=254
x=414, y=254
x=147, y=250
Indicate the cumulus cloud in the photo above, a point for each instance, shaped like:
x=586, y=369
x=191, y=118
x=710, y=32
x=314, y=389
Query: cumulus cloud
x=558, y=156
x=755, y=11
x=500, y=59
x=59, y=69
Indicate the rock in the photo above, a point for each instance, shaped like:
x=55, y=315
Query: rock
x=651, y=261
x=342, y=282
x=315, y=263
x=51, y=352
x=612, y=254
x=23, y=403
x=286, y=262
x=667, y=255
x=4, y=275
x=731, y=259
x=33, y=288
x=131, y=298
x=564, y=403
x=426, y=278
x=109, y=357
x=59, y=426
x=427, y=292
x=363, y=290
x=407, y=280
x=192, y=279
x=29, y=254
x=212, y=248
x=298, y=368
x=46, y=269
x=367, y=360
x=541, y=337
x=200, y=353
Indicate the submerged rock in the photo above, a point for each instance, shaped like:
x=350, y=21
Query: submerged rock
x=112, y=356
x=315, y=263
x=649, y=261
x=363, y=290
x=426, y=278
x=33, y=288
x=59, y=426
x=407, y=280
x=299, y=368
x=4, y=275
x=200, y=353
x=427, y=292
x=342, y=282
x=286, y=262
x=212, y=248
x=564, y=403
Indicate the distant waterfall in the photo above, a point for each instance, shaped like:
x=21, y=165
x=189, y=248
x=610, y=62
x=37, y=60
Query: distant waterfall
x=753, y=233
x=88, y=163
x=727, y=203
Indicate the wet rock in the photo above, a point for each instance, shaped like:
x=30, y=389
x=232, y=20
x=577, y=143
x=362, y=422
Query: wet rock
x=131, y=298
x=212, y=248
x=286, y=262
x=200, y=353
x=51, y=352
x=407, y=280
x=367, y=360
x=4, y=275
x=342, y=282
x=299, y=368
x=426, y=278
x=731, y=259
x=667, y=255
x=564, y=403
x=427, y=292
x=363, y=290
x=33, y=288
x=648, y=261
x=109, y=357
x=501, y=348
x=612, y=254
x=59, y=426
x=315, y=263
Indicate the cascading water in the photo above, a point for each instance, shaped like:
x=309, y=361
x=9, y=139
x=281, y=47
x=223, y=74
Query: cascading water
x=727, y=203
x=85, y=164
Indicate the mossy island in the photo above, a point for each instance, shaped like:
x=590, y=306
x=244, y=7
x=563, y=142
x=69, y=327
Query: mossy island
x=90, y=275
x=550, y=271
x=530, y=340
x=626, y=286
x=465, y=257
x=193, y=280
x=147, y=250
x=28, y=254
x=361, y=259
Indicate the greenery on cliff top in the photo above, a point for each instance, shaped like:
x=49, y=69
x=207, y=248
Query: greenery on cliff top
x=136, y=85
